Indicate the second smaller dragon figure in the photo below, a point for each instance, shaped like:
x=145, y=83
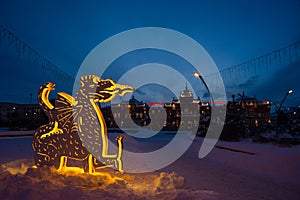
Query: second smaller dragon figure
x=76, y=127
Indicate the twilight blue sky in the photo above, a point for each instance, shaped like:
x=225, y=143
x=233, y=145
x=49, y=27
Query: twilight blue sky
x=232, y=32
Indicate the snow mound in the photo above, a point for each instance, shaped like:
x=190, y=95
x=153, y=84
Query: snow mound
x=19, y=180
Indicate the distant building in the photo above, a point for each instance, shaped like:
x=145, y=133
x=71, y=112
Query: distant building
x=25, y=116
x=127, y=114
x=255, y=113
x=183, y=112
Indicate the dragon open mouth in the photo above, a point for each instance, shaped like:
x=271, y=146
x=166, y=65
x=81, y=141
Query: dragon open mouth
x=50, y=86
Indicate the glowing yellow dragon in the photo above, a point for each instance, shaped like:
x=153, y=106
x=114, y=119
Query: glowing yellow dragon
x=73, y=118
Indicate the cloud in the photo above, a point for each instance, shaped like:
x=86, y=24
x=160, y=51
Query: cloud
x=251, y=82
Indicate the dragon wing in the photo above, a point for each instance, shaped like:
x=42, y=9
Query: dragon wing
x=67, y=111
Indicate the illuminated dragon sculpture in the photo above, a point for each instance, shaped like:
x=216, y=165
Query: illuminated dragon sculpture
x=73, y=118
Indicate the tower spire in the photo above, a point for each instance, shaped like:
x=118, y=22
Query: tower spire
x=186, y=92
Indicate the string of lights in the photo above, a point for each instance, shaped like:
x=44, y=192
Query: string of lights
x=34, y=58
x=262, y=64
x=285, y=55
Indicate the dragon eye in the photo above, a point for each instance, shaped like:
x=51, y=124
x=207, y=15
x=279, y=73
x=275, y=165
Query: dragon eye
x=96, y=80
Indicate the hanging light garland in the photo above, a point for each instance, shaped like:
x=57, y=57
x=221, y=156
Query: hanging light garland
x=265, y=63
x=34, y=58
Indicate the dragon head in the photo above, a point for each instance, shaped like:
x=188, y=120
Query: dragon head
x=47, y=86
x=102, y=90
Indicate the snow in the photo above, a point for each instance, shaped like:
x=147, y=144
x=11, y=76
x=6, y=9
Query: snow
x=269, y=160
x=270, y=172
x=20, y=181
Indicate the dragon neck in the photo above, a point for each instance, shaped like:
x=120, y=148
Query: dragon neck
x=99, y=116
x=44, y=103
x=45, y=98
x=91, y=107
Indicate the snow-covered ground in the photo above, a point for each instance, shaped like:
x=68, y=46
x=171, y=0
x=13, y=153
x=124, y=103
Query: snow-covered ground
x=269, y=172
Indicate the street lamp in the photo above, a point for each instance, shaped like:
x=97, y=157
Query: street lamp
x=279, y=108
x=198, y=75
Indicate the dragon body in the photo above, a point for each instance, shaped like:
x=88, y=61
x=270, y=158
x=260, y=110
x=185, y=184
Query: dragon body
x=74, y=118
